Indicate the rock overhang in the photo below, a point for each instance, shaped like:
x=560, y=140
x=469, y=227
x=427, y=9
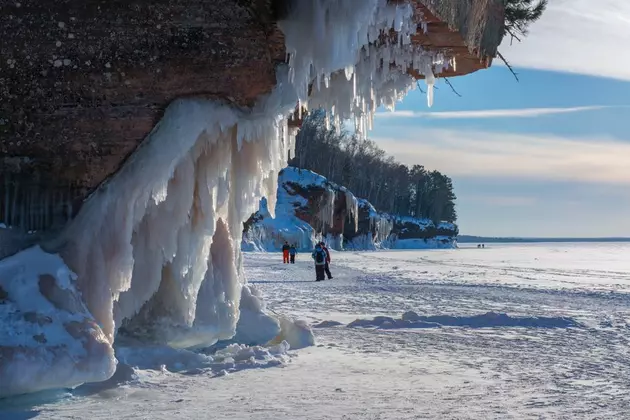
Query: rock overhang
x=83, y=83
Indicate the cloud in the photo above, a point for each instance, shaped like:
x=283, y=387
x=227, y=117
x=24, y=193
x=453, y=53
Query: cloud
x=505, y=200
x=578, y=36
x=488, y=113
x=492, y=154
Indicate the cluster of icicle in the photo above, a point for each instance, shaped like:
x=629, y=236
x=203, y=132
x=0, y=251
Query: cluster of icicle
x=343, y=50
x=382, y=227
x=325, y=217
x=159, y=242
x=352, y=209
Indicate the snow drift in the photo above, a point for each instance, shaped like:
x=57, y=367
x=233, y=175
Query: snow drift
x=155, y=250
x=488, y=320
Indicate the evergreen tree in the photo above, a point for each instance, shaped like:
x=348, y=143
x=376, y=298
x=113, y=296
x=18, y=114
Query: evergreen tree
x=519, y=14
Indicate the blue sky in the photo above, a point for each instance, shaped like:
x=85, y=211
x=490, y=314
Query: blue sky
x=546, y=156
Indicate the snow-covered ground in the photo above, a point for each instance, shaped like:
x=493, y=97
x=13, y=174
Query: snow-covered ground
x=562, y=351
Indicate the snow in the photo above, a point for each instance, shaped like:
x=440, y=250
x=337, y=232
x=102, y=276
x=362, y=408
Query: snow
x=568, y=359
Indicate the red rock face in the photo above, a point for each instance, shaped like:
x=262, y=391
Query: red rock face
x=82, y=82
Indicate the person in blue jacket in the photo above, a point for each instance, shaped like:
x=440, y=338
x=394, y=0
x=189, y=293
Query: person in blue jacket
x=292, y=253
x=319, y=256
x=327, y=265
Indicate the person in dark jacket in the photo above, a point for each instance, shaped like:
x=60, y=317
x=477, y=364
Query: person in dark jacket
x=319, y=256
x=327, y=265
x=285, y=252
x=292, y=253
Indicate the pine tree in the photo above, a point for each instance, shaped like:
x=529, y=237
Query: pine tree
x=519, y=14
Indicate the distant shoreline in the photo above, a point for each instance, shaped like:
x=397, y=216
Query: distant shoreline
x=483, y=239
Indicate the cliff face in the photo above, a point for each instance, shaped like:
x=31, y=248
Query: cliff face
x=310, y=207
x=84, y=81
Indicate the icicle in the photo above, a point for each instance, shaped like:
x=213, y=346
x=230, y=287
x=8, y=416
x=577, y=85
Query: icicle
x=430, y=80
x=349, y=71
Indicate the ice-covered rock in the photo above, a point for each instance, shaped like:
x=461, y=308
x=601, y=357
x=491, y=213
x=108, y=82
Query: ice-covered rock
x=310, y=208
x=48, y=338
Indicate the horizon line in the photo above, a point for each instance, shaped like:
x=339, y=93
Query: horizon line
x=626, y=238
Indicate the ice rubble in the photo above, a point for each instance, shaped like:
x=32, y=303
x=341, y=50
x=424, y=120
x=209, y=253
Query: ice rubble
x=153, y=248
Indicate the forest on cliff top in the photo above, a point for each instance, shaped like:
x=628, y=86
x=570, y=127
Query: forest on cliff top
x=365, y=169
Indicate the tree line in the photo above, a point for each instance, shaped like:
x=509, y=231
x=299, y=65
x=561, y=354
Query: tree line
x=366, y=170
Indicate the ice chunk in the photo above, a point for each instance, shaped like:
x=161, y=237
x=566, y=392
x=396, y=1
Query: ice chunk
x=48, y=338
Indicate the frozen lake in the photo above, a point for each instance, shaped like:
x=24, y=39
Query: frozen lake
x=561, y=352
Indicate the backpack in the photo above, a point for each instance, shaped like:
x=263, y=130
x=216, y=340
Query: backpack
x=319, y=256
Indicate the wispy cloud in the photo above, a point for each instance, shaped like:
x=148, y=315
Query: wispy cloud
x=492, y=154
x=488, y=113
x=579, y=36
x=507, y=200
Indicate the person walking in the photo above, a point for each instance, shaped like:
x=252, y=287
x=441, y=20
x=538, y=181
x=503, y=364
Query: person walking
x=292, y=253
x=327, y=265
x=285, y=252
x=319, y=256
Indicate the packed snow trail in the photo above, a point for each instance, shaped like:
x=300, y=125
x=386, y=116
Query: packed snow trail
x=574, y=367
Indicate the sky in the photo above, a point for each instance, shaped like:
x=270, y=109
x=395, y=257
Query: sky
x=547, y=156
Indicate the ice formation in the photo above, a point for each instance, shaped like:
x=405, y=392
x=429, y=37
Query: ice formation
x=154, y=249
x=158, y=237
x=378, y=233
x=345, y=50
x=310, y=208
